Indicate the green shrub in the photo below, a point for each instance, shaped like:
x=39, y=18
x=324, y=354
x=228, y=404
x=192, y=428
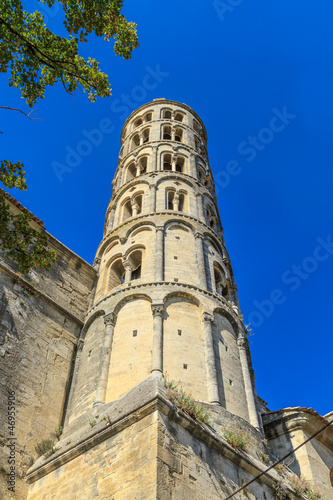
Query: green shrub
x=185, y=402
x=45, y=447
x=236, y=438
x=58, y=431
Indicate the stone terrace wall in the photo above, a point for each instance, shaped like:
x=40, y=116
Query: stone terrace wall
x=41, y=315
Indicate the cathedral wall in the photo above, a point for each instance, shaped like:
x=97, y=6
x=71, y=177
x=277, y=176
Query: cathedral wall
x=131, y=348
x=121, y=467
x=41, y=315
x=86, y=370
x=180, y=260
x=184, y=351
x=229, y=370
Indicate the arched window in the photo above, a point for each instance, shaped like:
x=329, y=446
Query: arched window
x=167, y=162
x=137, y=205
x=137, y=123
x=143, y=161
x=175, y=201
x=135, y=259
x=210, y=217
x=180, y=164
x=196, y=126
x=181, y=202
x=127, y=210
x=170, y=199
x=145, y=135
x=221, y=284
x=166, y=134
x=131, y=172
x=116, y=274
x=135, y=141
x=179, y=135
x=201, y=174
x=179, y=117
x=148, y=117
x=167, y=114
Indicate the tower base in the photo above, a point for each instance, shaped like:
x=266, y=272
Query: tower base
x=143, y=447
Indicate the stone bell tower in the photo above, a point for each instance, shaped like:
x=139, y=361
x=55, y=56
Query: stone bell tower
x=165, y=301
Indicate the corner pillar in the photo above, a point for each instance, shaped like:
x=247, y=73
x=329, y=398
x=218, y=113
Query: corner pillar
x=157, y=353
x=159, y=257
x=152, y=188
x=109, y=322
x=199, y=238
x=241, y=342
x=213, y=390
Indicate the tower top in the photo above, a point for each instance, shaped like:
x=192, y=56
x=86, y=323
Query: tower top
x=164, y=102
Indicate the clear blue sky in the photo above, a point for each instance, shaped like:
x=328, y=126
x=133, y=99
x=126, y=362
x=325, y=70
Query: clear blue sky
x=238, y=68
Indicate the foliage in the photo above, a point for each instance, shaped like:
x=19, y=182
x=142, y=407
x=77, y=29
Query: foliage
x=58, y=431
x=279, y=469
x=281, y=491
x=35, y=57
x=299, y=485
x=21, y=242
x=185, y=402
x=45, y=447
x=263, y=457
x=236, y=438
x=312, y=494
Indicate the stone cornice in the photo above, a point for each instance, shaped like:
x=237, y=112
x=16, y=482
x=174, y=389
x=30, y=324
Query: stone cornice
x=288, y=420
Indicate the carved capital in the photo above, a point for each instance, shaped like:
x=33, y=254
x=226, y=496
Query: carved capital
x=110, y=319
x=207, y=317
x=241, y=342
x=127, y=264
x=157, y=310
x=160, y=228
x=152, y=186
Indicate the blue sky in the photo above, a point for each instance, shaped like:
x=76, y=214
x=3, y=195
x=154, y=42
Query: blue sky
x=260, y=75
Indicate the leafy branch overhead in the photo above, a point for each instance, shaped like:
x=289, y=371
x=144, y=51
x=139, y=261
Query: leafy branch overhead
x=35, y=57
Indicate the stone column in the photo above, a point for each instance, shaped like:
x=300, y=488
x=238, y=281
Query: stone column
x=157, y=354
x=128, y=271
x=153, y=165
x=138, y=169
x=213, y=390
x=200, y=207
x=111, y=219
x=173, y=163
x=199, y=238
x=152, y=188
x=241, y=342
x=135, y=207
x=159, y=262
x=175, y=202
x=192, y=166
x=109, y=321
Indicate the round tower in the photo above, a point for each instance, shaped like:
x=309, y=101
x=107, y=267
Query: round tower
x=165, y=300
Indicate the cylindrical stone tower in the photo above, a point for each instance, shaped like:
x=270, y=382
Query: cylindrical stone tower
x=165, y=300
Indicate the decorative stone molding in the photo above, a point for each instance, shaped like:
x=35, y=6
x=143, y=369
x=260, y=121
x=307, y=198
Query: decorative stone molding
x=157, y=309
x=110, y=319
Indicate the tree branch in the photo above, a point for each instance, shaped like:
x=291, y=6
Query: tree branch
x=20, y=110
